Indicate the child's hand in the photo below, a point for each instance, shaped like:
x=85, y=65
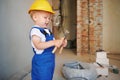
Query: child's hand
x=58, y=42
x=64, y=44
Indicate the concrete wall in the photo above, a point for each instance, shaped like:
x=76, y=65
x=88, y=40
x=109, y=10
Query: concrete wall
x=15, y=48
x=111, y=26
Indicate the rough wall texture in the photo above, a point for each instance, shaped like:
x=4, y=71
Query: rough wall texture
x=89, y=25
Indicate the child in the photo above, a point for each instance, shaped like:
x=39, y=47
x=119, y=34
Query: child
x=42, y=41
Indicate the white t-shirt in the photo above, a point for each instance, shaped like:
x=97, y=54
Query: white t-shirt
x=37, y=32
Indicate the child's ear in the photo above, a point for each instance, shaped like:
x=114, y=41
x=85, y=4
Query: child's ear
x=34, y=17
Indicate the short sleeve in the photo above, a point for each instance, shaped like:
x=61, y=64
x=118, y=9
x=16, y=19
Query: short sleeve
x=37, y=32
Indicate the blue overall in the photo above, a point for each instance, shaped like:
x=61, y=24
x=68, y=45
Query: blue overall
x=43, y=64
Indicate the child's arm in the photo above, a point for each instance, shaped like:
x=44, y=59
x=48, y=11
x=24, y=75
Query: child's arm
x=43, y=45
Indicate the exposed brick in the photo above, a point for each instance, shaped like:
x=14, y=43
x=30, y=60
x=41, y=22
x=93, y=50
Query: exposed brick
x=89, y=12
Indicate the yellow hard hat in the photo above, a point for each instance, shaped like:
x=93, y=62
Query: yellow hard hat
x=41, y=5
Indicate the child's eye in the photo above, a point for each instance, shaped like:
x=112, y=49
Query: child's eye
x=49, y=18
x=45, y=17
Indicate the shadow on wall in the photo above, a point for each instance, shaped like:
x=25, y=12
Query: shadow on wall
x=71, y=44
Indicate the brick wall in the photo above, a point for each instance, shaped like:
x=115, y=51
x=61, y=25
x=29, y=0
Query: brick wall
x=89, y=25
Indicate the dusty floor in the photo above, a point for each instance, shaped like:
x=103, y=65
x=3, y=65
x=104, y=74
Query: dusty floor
x=69, y=55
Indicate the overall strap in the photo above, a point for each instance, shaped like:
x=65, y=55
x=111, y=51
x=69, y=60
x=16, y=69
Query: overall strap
x=41, y=30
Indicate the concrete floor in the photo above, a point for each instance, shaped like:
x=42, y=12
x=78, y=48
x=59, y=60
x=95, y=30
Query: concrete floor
x=69, y=55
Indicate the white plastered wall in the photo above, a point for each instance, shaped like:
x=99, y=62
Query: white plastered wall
x=111, y=26
x=15, y=48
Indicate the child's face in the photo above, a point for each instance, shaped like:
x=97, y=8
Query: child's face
x=42, y=18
